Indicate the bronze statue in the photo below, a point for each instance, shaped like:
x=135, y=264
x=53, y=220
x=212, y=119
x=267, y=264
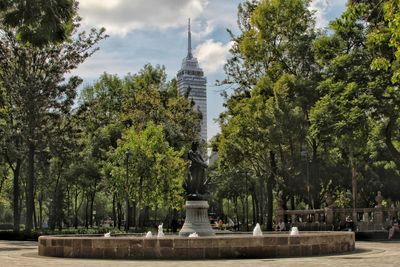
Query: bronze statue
x=196, y=183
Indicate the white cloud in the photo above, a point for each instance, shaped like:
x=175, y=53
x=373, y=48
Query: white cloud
x=122, y=16
x=320, y=7
x=212, y=55
x=326, y=10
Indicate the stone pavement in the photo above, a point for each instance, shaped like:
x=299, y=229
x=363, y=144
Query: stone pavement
x=376, y=254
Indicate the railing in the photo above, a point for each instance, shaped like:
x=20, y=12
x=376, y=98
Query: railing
x=330, y=218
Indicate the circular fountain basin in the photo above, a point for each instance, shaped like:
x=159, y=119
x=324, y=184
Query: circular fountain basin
x=213, y=247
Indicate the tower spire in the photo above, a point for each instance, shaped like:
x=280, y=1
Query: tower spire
x=189, y=42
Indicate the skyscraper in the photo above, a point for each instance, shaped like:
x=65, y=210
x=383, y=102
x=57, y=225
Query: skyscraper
x=191, y=82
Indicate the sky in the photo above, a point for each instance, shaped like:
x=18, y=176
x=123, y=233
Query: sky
x=155, y=32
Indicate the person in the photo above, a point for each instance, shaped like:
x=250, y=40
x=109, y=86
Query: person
x=280, y=226
x=348, y=224
x=394, y=228
x=220, y=224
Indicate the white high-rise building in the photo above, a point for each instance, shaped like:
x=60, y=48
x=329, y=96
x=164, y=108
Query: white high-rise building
x=191, y=82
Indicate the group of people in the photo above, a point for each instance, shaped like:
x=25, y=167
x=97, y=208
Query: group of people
x=348, y=225
x=392, y=228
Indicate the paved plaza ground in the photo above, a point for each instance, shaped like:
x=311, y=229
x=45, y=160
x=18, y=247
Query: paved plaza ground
x=24, y=253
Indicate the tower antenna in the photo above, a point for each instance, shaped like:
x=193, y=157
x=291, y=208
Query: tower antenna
x=189, y=41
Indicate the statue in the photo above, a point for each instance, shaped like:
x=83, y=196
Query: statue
x=196, y=190
x=379, y=199
x=196, y=181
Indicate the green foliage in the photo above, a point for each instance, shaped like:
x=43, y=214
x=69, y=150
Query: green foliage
x=311, y=114
x=392, y=16
x=322, y=102
x=39, y=22
x=155, y=170
x=264, y=129
x=358, y=112
x=38, y=99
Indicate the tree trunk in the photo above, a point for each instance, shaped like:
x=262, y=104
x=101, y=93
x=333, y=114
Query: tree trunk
x=16, y=195
x=92, y=197
x=3, y=179
x=292, y=203
x=242, y=200
x=314, y=177
x=134, y=211
x=87, y=212
x=354, y=182
x=140, y=201
x=119, y=211
x=34, y=216
x=76, y=209
x=236, y=209
x=114, y=213
x=270, y=185
x=144, y=216
x=30, y=188
x=255, y=209
x=262, y=202
x=68, y=207
x=40, y=210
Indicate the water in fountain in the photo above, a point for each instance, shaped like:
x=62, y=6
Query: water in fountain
x=107, y=234
x=294, y=231
x=149, y=234
x=160, y=231
x=257, y=230
x=194, y=235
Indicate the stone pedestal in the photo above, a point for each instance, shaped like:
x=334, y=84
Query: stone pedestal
x=378, y=216
x=196, y=219
x=329, y=219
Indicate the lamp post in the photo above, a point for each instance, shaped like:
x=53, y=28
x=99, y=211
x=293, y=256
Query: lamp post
x=128, y=153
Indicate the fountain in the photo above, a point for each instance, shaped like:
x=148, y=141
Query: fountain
x=196, y=239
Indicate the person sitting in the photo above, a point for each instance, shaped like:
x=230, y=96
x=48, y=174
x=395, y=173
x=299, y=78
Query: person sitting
x=348, y=224
x=394, y=228
x=280, y=226
x=220, y=224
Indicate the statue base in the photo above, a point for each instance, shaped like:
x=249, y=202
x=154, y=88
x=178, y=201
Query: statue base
x=196, y=220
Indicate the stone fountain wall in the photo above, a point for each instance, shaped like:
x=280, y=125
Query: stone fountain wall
x=173, y=247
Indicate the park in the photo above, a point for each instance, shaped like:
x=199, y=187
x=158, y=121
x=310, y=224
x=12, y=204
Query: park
x=251, y=132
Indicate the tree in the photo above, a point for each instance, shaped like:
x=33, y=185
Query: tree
x=273, y=67
x=358, y=94
x=392, y=17
x=155, y=170
x=39, y=22
x=33, y=79
x=112, y=105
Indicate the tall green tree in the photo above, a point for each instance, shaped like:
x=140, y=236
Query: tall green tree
x=273, y=67
x=155, y=171
x=33, y=78
x=358, y=91
x=112, y=105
